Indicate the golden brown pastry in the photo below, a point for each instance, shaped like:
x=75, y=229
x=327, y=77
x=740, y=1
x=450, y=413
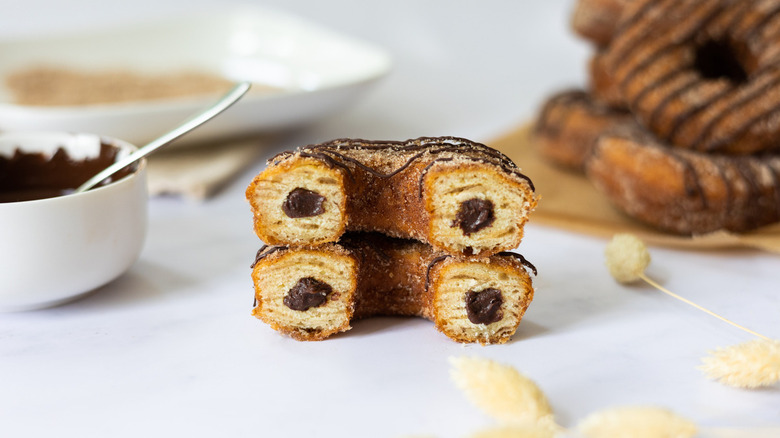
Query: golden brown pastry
x=459, y=196
x=596, y=20
x=701, y=74
x=602, y=86
x=312, y=293
x=569, y=124
x=685, y=192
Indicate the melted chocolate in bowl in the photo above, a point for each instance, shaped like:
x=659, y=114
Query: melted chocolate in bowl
x=27, y=176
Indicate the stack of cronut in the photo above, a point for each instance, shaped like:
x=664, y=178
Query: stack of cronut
x=357, y=228
x=680, y=126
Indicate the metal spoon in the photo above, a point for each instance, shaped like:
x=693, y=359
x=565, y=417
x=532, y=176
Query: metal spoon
x=222, y=104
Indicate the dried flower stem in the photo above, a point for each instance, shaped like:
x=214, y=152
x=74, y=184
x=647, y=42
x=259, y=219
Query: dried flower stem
x=651, y=282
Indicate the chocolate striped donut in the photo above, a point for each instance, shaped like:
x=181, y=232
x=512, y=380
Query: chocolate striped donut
x=701, y=74
x=569, y=124
x=682, y=191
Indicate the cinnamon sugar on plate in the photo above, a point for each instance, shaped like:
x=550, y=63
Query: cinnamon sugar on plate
x=55, y=86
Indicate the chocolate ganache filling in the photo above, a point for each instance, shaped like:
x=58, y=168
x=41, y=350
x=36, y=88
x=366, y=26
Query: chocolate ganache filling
x=484, y=307
x=303, y=203
x=474, y=215
x=308, y=292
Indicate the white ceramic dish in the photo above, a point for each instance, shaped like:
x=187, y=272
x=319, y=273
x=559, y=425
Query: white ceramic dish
x=56, y=249
x=319, y=72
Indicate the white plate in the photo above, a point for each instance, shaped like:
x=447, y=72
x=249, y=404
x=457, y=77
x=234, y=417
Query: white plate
x=318, y=70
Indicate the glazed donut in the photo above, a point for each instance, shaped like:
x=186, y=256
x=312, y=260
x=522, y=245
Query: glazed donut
x=459, y=196
x=569, y=124
x=312, y=293
x=596, y=20
x=685, y=192
x=702, y=74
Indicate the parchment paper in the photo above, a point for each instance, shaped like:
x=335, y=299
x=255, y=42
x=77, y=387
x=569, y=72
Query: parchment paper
x=569, y=201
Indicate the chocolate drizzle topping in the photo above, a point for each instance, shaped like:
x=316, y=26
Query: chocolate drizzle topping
x=669, y=98
x=374, y=172
x=565, y=98
x=751, y=184
x=692, y=185
x=327, y=159
x=634, y=50
x=689, y=33
x=745, y=99
x=430, y=266
x=331, y=154
x=756, y=28
x=630, y=22
x=425, y=171
x=515, y=255
x=521, y=259
x=668, y=77
x=746, y=126
x=264, y=252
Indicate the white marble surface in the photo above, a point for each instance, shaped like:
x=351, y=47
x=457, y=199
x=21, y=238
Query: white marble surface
x=170, y=349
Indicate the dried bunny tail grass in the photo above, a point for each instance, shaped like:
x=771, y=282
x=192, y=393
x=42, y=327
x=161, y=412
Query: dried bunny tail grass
x=750, y=364
x=516, y=431
x=501, y=391
x=636, y=422
x=626, y=257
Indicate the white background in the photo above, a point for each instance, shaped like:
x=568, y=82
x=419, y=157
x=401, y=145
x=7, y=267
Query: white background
x=170, y=349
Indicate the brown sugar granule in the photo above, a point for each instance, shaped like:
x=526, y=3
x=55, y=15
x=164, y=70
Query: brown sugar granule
x=53, y=86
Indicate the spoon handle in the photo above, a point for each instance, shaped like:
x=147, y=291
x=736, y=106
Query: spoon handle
x=222, y=104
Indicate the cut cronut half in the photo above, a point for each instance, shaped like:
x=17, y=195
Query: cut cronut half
x=461, y=198
x=269, y=194
x=312, y=293
x=475, y=209
x=277, y=278
x=458, y=284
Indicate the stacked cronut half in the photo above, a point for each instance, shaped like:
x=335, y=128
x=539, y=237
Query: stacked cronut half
x=680, y=126
x=359, y=228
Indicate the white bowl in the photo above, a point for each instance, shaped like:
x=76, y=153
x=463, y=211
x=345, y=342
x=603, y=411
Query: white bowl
x=318, y=71
x=56, y=249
